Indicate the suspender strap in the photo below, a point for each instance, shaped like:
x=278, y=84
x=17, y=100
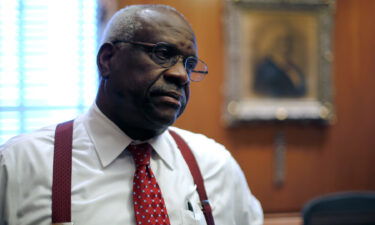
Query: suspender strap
x=197, y=176
x=62, y=173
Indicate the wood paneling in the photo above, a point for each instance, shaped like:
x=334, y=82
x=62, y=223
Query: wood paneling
x=319, y=160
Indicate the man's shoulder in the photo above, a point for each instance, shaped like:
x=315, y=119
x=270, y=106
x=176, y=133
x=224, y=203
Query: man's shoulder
x=27, y=142
x=197, y=139
x=204, y=148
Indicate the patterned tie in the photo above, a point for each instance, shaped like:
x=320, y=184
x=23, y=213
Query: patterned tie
x=149, y=207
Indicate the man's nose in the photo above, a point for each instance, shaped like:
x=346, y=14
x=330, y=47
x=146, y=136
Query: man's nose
x=177, y=73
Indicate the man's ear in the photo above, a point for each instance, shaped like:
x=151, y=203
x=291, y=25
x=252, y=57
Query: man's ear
x=103, y=59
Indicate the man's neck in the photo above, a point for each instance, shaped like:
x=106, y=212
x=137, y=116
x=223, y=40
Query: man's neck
x=140, y=134
x=141, y=130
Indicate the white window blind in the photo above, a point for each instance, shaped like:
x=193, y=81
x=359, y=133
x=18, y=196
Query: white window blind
x=47, y=62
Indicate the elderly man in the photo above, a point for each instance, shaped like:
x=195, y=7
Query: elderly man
x=121, y=162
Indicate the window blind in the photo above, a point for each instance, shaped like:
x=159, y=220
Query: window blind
x=47, y=62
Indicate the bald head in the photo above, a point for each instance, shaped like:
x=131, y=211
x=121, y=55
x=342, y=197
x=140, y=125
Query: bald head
x=128, y=21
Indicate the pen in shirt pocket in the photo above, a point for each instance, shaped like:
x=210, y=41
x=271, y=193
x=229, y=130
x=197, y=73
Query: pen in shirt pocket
x=190, y=207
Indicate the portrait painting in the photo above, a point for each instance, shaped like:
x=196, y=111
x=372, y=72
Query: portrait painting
x=278, y=61
x=281, y=46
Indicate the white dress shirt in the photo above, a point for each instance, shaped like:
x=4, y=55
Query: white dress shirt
x=102, y=177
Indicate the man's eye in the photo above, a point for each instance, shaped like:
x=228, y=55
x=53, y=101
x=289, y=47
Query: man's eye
x=163, y=52
x=191, y=63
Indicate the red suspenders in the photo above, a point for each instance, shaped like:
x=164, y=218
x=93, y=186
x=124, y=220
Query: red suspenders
x=62, y=172
x=197, y=176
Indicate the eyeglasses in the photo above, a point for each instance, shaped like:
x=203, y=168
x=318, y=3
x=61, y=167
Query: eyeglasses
x=167, y=55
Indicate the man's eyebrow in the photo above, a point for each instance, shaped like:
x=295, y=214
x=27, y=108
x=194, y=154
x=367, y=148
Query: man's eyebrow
x=176, y=49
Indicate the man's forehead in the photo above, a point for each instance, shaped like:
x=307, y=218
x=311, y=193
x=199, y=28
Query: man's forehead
x=167, y=26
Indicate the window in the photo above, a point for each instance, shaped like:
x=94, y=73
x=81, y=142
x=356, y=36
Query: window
x=47, y=62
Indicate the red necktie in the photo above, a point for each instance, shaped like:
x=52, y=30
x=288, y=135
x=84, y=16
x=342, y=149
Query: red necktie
x=149, y=207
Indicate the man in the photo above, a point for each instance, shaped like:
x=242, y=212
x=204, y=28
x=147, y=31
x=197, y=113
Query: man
x=146, y=63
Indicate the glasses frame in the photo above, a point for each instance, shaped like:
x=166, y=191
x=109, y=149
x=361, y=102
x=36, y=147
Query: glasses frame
x=177, y=58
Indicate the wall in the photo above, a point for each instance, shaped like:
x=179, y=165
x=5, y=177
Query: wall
x=318, y=160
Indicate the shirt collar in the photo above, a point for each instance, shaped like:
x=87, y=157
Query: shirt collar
x=110, y=141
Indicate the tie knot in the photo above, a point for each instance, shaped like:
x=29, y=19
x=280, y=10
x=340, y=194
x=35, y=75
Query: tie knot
x=141, y=153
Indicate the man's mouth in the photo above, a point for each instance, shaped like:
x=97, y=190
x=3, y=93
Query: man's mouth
x=172, y=98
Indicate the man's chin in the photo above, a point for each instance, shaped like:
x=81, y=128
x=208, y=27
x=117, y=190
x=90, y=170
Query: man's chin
x=164, y=117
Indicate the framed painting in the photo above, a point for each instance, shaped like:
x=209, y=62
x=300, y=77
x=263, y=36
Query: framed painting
x=278, y=60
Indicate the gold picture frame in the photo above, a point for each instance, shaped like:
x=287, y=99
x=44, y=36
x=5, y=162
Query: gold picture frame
x=278, y=60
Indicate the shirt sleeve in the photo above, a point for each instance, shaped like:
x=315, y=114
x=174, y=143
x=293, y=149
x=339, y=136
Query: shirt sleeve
x=3, y=184
x=247, y=208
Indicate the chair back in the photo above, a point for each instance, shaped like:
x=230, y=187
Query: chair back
x=348, y=208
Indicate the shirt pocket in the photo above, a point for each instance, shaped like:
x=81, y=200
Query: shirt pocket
x=192, y=218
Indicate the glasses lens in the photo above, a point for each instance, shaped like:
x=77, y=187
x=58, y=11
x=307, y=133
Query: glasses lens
x=165, y=55
x=190, y=63
x=196, y=68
